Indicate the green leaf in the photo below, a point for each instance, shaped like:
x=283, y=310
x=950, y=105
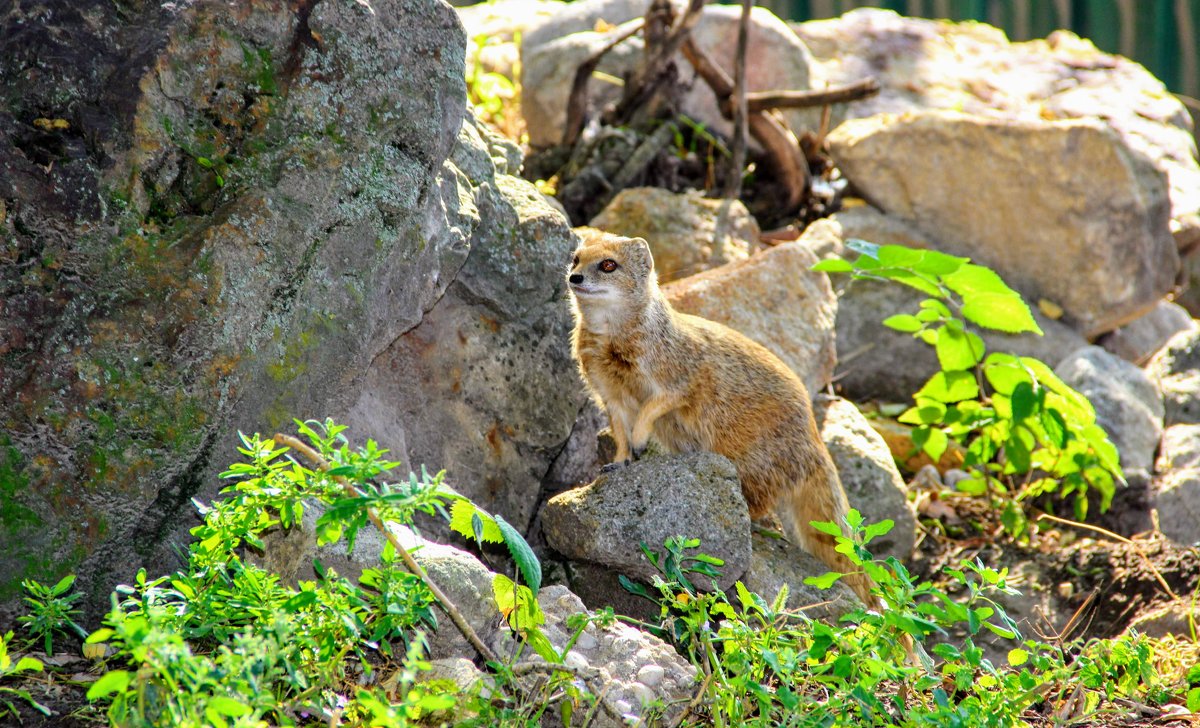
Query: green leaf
x=28, y=664
x=1000, y=312
x=831, y=529
x=972, y=279
x=436, y=703
x=834, y=265
x=904, y=323
x=462, y=520
x=950, y=387
x=1193, y=700
x=1018, y=657
x=1055, y=427
x=111, y=682
x=1023, y=401
x=936, y=444
x=522, y=554
x=225, y=706
x=824, y=581
x=63, y=585
x=972, y=486
x=540, y=644
x=957, y=350
x=99, y=635
x=877, y=529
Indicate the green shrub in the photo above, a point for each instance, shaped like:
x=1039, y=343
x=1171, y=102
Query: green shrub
x=1025, y=431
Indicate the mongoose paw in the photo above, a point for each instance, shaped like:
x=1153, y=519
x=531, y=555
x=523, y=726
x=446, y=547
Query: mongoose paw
x=638, y=452
x=615, y=465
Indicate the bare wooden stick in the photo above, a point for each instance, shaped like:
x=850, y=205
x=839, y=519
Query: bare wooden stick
x=763, y=100
x=455, y=616
x=779, y=143
x=577, y=101
x=737, y=160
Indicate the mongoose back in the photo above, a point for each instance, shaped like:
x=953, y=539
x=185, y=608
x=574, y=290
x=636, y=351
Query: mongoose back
x=693, y=384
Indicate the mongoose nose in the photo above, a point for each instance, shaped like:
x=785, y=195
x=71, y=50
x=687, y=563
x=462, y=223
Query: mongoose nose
x=576, y=278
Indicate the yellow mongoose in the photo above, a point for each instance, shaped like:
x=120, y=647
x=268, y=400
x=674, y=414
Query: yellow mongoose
x=693, y=384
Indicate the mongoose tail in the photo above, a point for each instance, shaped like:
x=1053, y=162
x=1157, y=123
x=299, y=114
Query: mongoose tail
x=819, y=502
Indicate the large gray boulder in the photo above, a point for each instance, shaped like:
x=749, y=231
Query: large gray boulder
x=868, y=473
x=552, y=51
x=696, y=495
x=1176, y=371
x=775, y=299
x=1095, y=208
x=875, y=361
x=972, y=67
x=1128, y=405
x=243, y=218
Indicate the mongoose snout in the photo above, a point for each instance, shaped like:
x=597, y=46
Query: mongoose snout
x=693, y=384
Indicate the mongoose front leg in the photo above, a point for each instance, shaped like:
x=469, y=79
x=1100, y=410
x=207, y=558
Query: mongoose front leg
x=620, y=433
x=655, y=407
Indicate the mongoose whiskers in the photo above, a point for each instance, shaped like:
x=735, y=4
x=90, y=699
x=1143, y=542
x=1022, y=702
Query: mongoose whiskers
x=693, y=384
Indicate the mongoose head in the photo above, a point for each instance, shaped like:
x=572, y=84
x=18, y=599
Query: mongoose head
x=611, y=277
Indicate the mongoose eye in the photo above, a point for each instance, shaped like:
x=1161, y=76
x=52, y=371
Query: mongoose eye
x=576, y=263
x=608, y=266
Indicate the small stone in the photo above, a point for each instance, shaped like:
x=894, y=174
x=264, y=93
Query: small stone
x=954, y=476
x=586, y=642
x=644, y=695
x=623, y=707
x=575, y=660
x=650, y=675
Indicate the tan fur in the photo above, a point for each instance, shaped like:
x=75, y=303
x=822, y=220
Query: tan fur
x=693, y=384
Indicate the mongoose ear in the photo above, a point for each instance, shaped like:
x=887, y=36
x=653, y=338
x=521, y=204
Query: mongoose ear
x=643, y=253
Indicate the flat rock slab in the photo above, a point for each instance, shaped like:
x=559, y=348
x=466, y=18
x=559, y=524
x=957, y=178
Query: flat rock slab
x=696, y=495
x=1062, y=210
x=775, y=299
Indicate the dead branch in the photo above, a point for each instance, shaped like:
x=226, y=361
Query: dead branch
x=577, y=101
x=643, y=155
x=737, y=161
x=763, y=100
x=644, y=82
x=409, y=562
x=778, y=142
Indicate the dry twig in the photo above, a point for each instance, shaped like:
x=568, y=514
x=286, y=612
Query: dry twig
x=763, y=100
x=577, y=101
x=737, y=161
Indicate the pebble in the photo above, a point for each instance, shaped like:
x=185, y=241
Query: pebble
x=651, y=675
